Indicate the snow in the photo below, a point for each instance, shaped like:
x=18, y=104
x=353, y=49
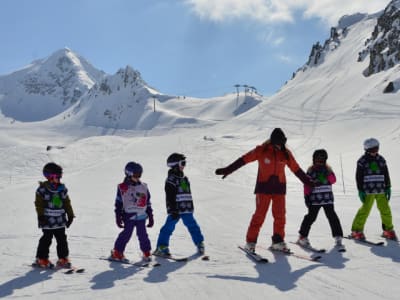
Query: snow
x=331, y=106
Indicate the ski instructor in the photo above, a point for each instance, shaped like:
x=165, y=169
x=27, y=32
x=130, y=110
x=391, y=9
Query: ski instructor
x=272, y=157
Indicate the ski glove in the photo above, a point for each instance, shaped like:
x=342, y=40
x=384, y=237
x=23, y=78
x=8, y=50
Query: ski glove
x=119, y=221
x=151, y=221
x=231, y=168
x=388, y=193
x=70, y=220
x=362, y=196
x=41, y=221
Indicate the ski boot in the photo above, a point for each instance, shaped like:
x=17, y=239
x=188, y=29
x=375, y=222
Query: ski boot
x=389, y=234
x=357, y=235
x=200, y=248
x=63, y=262
x=303, y=242
x=162, y=251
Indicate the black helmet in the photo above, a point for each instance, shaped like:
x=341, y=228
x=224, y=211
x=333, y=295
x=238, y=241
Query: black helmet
x=176, y=159
x=278, y=137
x=132, y=168
x=320, y=155
x=52, y=168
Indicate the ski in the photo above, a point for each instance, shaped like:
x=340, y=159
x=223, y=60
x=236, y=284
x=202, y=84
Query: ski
x=300, y=256
x=310, y=248
x=73, y=269
x=204, y=257
x=256, y=257
x=173, y=258
x=140, y=264
x=49, y=267
x=67, y=269
x=340, y=248
x=365, y=241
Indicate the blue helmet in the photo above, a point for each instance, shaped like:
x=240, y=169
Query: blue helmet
x=132, y=168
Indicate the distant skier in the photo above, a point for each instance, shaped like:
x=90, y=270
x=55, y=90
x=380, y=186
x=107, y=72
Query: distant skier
x=54, y=211
x=320, y=196
x=132, y=208
x=373, y=183
x=272, y=157
x=179, y=206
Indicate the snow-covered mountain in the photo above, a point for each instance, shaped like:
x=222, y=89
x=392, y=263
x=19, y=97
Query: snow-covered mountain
x=65, y=86
x=381, y=47
x=47, y=87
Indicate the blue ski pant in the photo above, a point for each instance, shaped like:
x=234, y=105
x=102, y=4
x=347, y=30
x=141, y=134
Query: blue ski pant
x=169, y=227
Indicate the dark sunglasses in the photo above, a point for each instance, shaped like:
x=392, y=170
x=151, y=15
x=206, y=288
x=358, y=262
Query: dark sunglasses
x=137, y=175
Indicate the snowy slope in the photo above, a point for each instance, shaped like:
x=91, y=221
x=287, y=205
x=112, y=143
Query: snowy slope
x=331, y=105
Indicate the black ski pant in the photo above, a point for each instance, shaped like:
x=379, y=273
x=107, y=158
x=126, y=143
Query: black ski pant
x=309, y=219
x=45, y=242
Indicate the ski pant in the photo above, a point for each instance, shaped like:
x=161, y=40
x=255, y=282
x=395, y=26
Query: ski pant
x=278, y=213
x=169, y=227
x=384, y=209
x=45, y=242
x=126, y=234
x=333, y=219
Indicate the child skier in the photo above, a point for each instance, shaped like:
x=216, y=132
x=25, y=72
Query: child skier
x=54, y=211
x=373, y=182
x=320, y=196
x=179, y=206
x=132, y=208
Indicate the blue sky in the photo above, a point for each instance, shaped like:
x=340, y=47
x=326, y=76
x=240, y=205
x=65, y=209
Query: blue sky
x=195, y=48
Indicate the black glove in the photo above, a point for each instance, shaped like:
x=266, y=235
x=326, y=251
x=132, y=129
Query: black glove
x=70, y=220
x=231, y=168
x=151, y=221
x=222, y=171
x=41, y=221
x=119, y=220
x=175, y=215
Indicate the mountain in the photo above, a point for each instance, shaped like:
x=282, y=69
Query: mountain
x=383, y=47
x=332, y=94
x=47, y=87
x=65, y=86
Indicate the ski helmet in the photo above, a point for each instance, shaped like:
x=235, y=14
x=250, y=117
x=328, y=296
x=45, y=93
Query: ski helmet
x=176, y=159
x=133, y=168
x=52, y=169
x=370, y=144
x=320, y=155
x=278, y=137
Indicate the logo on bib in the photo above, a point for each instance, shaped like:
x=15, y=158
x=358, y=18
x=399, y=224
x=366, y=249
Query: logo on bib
x=267, y=161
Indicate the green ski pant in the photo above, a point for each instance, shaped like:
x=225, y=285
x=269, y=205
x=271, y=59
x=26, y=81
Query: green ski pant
x=384, y=209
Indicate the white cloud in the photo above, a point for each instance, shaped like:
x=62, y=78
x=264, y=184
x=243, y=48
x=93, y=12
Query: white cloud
x=274, y=11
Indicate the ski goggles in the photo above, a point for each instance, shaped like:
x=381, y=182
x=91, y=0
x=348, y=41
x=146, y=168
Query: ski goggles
x=182, y=163
x=373, y=150
x=136, y=175
x=51, y=176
